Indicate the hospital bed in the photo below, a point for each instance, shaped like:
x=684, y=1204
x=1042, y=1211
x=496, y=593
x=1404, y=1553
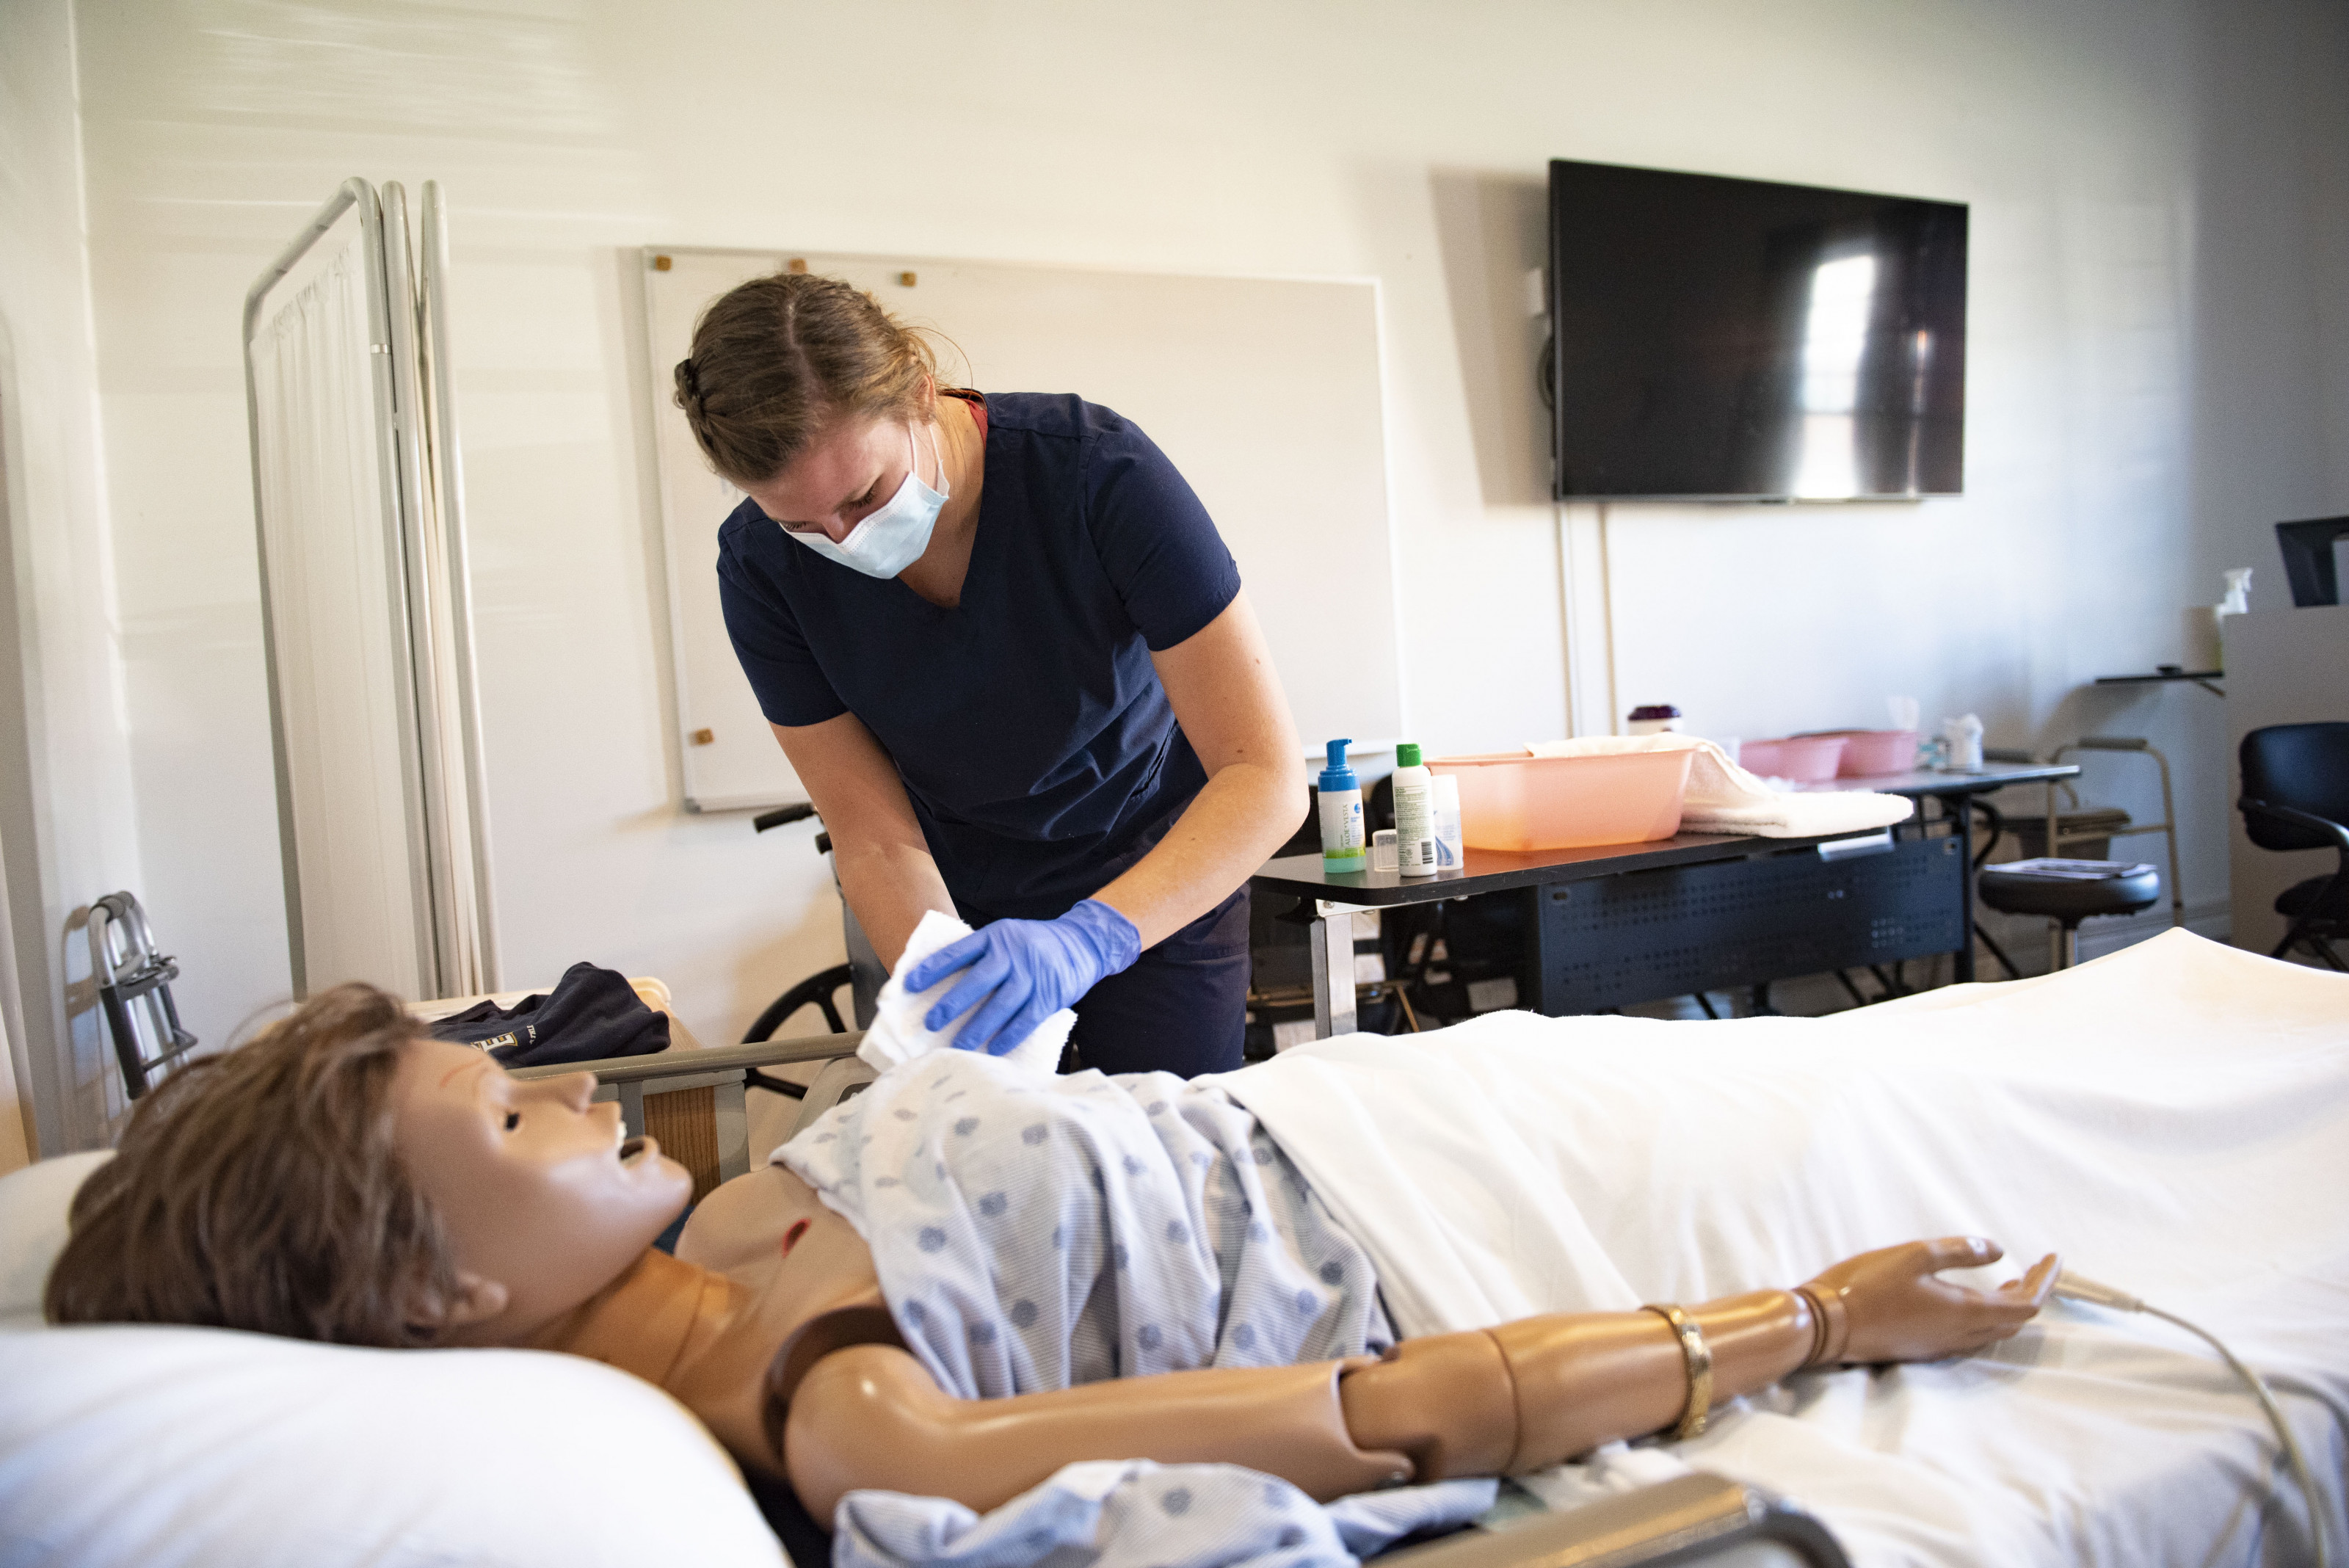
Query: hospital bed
x=129, y=1445
x=2098, y=1442
x=698, y=1103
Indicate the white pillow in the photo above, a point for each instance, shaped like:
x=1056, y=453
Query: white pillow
x=202, y=1446
x=33, y=1204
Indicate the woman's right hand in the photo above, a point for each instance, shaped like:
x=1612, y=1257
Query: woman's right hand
x=1896, y=1308
x=1023, y=971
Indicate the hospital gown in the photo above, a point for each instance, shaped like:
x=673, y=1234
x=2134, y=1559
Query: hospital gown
x=1033, y=1232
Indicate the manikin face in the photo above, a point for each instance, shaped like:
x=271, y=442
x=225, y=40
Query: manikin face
x=848, y=473
x=542, y=1201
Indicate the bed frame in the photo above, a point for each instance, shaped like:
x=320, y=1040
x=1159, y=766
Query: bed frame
x=695, y=1102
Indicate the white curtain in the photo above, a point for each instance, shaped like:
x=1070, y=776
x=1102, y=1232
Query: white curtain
x=379, y=823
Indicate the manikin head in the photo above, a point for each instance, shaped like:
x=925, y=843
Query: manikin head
x=344, y=1177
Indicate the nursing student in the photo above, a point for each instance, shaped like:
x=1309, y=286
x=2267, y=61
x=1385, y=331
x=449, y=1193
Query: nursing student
x=1009, y=655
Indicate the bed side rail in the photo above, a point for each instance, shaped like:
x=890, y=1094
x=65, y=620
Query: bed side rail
x=1692, y=1519
x=697, y=1107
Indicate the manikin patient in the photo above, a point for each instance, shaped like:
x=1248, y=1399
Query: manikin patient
x=343, y=1178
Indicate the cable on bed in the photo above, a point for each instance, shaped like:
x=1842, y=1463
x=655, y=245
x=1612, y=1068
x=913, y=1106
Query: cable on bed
x=2074, y=1287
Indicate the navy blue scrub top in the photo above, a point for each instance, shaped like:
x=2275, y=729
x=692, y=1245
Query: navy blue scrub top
x=1034, y=739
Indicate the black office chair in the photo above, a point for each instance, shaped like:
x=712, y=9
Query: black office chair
x=2066, y=901
x=2296, y=797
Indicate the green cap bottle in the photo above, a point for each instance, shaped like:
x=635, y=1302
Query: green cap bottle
x=1415, y=809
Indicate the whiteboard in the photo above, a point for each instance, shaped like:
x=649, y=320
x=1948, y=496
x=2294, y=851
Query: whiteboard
x=1265, y=393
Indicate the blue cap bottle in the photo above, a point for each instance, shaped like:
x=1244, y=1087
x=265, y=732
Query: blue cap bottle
x=1344, y=845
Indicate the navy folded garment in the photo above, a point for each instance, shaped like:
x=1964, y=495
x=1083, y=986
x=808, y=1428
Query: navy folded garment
x=590, y=1014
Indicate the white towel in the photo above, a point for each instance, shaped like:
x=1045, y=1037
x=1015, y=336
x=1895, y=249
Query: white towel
x=898, y=1034
x=1723, y=797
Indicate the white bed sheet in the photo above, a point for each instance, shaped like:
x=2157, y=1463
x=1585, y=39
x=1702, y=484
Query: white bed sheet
x=2173, y=1119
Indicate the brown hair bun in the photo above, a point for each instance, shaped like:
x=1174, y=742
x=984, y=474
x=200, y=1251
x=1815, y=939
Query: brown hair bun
x=777, y=359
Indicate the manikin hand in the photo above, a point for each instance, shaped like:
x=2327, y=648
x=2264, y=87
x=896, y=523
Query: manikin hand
x=1897, y=1309
x=1023, y=971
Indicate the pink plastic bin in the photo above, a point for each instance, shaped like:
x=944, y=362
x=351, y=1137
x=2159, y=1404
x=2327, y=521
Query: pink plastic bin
x=1516, y=802
x=1805, y=759
x=1872, y=753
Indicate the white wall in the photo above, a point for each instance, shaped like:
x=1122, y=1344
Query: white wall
x=66, y=831
x=2144, y=179
x=2272, y=380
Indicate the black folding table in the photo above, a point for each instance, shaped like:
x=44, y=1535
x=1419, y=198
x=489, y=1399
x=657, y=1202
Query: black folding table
x=1620, y=923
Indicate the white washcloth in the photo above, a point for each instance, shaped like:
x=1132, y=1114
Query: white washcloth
x=1723, y=797
x=898, y=1034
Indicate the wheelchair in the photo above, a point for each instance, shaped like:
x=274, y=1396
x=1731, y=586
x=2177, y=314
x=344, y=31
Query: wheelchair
x=861, y=976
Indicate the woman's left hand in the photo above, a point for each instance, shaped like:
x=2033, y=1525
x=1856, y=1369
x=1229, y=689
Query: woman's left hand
x=1023, y=971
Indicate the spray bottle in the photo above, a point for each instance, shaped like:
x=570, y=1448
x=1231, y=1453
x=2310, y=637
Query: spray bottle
x=1414, y=806
x=1342, y=814
x=2238, y=601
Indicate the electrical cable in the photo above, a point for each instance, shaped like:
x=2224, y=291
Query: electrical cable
x=2074, y=1287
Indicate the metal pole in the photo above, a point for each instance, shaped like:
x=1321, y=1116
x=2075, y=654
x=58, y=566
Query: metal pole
x=441, y=399
x=2170, y=831
x=1330, y=937
x=1958, y=810
x=443, y=930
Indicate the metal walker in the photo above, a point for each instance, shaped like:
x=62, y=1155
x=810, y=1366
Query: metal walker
x=134, y=983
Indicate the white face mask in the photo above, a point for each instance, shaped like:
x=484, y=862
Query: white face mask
x=893, y=535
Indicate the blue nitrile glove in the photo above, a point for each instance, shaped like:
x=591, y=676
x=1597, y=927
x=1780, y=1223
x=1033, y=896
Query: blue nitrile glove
x=1023, y=971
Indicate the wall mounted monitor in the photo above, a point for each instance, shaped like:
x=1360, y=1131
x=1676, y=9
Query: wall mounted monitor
x=1740, y=340
x=2309, y=562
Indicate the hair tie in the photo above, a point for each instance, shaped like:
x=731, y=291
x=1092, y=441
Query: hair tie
x=690, y=379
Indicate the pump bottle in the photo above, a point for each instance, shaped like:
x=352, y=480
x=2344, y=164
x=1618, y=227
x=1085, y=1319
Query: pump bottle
x=1342, y=814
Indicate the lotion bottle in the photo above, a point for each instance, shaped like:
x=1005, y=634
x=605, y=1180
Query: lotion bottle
x=1342, y=814
x=1414, y=805
x=1450, y=852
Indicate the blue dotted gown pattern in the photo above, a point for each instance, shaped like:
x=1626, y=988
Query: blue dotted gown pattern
x=1035, y=1233
x=1135, y=1515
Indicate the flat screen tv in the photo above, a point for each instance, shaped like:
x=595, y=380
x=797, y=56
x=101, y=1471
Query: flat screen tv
x=1739, y=340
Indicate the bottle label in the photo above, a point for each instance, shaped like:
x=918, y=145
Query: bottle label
x=1416, y=829
x=1447, y=840
x=1342, y=825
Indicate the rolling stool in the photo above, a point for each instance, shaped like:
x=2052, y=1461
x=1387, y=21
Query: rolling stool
x=2094, y=838
x=2066, y=901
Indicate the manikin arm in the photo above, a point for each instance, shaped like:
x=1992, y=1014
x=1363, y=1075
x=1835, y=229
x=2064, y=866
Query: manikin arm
x=1486, y=1402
